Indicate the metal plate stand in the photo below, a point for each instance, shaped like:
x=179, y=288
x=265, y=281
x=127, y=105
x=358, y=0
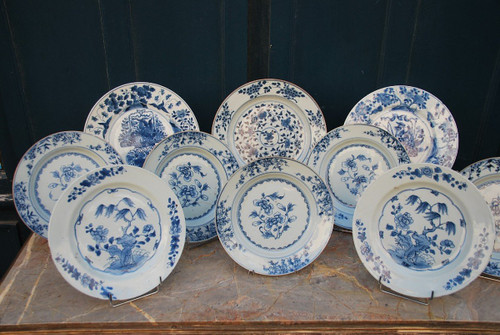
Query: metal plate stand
x=387, y=290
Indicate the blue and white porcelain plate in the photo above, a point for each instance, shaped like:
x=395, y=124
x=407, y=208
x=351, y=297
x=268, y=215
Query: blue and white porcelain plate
x=423, y=230
x=419, y=120
x=349, y=158
x=274, y=216
x=136, y=116
x=117, y=232
x=196, y=166
x=269, y=117
x=49, y=167
x=485, y=174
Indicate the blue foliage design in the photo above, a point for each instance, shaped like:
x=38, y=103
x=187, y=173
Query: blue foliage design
x=357, y=172
x=224, y=226
x=175, y=232
x=321, y=194
x=273, y=217
x=94, y=178
x=188, y=194
x=141, y=129
x=262, y=165
x=391, y=142
x=414, y=249
x=84, y=279
x=64, y=176
x=324, y=144
x=411, y=98
x=25, y=210
x=289, y=264
x=476, y=170
x=375, y=262
x=125, y=251
x=129, y=97
x=430, y=172
x=49, y=143
x=473, y=263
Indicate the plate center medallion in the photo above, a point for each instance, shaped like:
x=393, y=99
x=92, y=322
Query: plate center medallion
x=422, y=229
x=136, y=132
x=352, y=169
x=118, y=231
x=409, y=129
x=273, y=214
x=269, y=129
x=195, y=181
x=56, y=175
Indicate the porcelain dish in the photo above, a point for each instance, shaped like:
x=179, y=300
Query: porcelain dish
x=49, y=167
x=269, y=117
x=136, y=116
x=117, y=232
x=485, y=174
x=419, y=120
x=196, y=166
x=349, y=158
x=274, y=216
x=423, y=230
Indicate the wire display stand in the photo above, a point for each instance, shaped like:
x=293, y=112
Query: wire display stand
x=386, y=290
x=115, y=304
x=489, y=277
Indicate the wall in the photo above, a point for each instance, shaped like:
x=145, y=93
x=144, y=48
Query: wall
x=58, y=57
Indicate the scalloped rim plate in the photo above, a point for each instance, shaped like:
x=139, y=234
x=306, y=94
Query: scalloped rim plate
x=419, y=120
x=117, y=231
x=269, y=117
x=196, y=165
x=485, y=174
x=67, y=155
x=274, y=216
x=349, y=158
x=135, y=116
x=417, y=263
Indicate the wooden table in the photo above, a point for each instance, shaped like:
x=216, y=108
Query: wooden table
x=208, y=292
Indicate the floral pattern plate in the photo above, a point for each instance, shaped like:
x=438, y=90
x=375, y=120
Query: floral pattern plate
x=49, y=167
x=196, y=166
x=419, y=120
x=349, y=158
x=136, y=116
x=423, y=230
x=485, y=174
x=274, y=216
x=116, y=232
x=269, y=118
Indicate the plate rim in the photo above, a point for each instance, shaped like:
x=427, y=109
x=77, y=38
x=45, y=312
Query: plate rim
x=324, y=206
x=93, y=282
x=468, y=173
x=316, y=135
x=374, y=261
x=449, y=115
x=228, y=167
x=96, y=110
x=319, y=153
x=23, y=207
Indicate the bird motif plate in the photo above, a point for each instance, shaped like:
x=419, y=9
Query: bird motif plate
x=423, y=230
x=419, y=120
x=136, y=116
x=196, y=166
x=49, y=167
x=269, y=117
x=485, y=174
x=274, y=216
x=117, y=232
x=349, y=158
